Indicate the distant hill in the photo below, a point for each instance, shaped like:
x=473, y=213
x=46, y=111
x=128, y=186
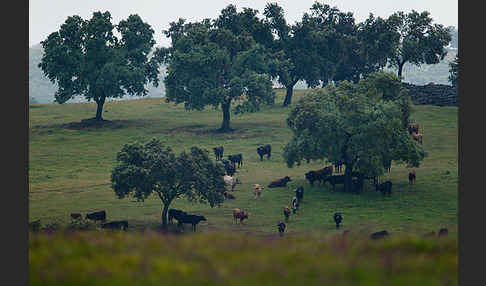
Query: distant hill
x=41, y=89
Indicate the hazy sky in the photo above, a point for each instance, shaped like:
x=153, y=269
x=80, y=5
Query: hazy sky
x=46, y=17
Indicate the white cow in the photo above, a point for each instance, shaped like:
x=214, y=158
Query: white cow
x=231, y=181
x=257, y=190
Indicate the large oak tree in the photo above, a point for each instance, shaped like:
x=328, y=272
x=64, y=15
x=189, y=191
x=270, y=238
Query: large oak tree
x=359, y=124
x=219, y=62
x=419, y=41
x=152, y=168
x=85, y=58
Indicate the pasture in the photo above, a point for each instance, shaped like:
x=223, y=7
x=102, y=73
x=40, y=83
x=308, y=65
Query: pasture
x=70, y=167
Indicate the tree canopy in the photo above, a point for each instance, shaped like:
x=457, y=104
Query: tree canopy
x=85, y=58
x=419, y=41
x=217, y=62
x=154, y=168
x=454, y=70
x=359, y=124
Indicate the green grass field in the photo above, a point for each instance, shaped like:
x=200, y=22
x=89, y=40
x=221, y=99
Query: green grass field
x=131, y=259
x=69, y=170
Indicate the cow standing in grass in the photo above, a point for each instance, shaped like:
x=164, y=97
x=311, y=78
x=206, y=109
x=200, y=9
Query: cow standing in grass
x=281, y=228
x=218, y=152
x=299, y=193
x=229, y=168
x=319, y=175
x=264, y=150
x=239, y=215
x=236, y=159
x=338, y=218
x=192, y=219
x=257, y=190
x=286, y=212
x=411, y=177
x=231, y=181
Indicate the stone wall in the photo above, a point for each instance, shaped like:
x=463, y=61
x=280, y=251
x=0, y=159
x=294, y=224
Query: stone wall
x=432, y=94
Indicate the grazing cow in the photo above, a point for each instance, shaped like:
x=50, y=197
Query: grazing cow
x=238, y=158
x=239, y=214
x=443, y=232
x=286, y=212
x=413, y=128
x=76, y=216
x=335, y=180
x=257, y=190
x=379, y=234
x=101, y=215
x=281, y=228
x=280, y=182
x=338, y=218
x=299, y=193
x=264, y=150
x=417, y=137
x=430, y=234
x=228, y=196
x=385, y=188
x=122, y=224
x=231, y=181
x=192, y=219
x=229, y=168
x=319, y=175
x=295, y=204
x=218, y=152
x=411, y=176
x=176, y=214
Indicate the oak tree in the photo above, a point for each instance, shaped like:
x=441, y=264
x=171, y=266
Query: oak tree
x=85, y=58
x=152, y=168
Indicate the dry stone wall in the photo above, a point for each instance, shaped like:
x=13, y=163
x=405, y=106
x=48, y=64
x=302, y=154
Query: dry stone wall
x=432, y=94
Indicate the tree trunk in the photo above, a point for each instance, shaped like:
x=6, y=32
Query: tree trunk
x=99, y=109
x=400, y=68
x=225, y=126
x=288, y=95
x=164, y=216
x=348, y=179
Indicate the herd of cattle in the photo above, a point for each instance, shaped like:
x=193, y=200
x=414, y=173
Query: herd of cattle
x=322, y=176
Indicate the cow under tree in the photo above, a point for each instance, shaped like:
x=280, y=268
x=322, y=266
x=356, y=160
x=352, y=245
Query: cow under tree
x=324, y=128
x=152, y=168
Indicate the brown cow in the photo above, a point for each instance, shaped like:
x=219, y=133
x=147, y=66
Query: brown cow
x=417, y=137
x=239, y=214
x=286, y=213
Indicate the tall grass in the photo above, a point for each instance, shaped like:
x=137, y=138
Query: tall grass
x=109, y=258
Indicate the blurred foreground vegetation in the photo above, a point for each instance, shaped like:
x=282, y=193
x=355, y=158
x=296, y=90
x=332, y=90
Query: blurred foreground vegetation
x=222, y=258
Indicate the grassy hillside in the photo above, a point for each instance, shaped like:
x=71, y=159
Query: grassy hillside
x=70, y=167
x=152, y=259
